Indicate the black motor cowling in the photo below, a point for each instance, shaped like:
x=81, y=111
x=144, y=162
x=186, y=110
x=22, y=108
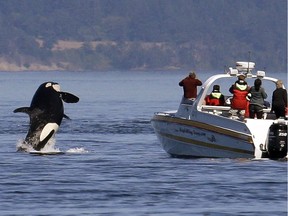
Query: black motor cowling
x=277, y=141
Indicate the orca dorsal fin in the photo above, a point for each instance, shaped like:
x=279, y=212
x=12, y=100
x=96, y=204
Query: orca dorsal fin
x=68, y=97
x=23, y=110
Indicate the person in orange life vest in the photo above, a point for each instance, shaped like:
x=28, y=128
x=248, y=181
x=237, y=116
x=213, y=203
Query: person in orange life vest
x=216, y=98
x=239, y=89
x=189, y=85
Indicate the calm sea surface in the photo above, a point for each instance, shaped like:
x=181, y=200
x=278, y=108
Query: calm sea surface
x=113, y=163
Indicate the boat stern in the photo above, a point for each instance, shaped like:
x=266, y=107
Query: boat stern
x=269, y=137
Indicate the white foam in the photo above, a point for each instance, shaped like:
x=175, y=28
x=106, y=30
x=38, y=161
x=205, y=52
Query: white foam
x=77, y=150
x=21, y=145
x=50, y=146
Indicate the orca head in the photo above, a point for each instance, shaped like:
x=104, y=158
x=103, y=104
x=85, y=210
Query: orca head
x=65, y=96
x=46, y=94
x=52, y=85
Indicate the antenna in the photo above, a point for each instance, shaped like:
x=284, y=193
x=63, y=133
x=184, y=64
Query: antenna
x=249, y=58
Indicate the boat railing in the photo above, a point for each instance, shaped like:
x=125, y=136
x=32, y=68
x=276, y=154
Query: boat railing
x=222, y=108
x=227, y=108
x=224, y=111
x=185, y=111
x=216, y=110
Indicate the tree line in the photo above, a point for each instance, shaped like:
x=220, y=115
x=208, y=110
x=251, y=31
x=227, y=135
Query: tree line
x=146, y=34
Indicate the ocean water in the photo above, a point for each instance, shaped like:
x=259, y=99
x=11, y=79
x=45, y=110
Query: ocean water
x=113, y=163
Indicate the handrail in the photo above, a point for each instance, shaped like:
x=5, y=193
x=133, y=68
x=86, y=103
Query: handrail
x=209, y=107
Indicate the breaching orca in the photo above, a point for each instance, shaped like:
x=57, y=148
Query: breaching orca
x=46, y=112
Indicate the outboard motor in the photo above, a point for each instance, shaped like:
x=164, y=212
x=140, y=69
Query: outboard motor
x=276, y=146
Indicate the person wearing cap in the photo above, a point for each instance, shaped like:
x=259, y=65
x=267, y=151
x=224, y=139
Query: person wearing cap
x=279, y=100
x=240, y=90
x=189, y=85
x=216, y=98
x=256, y=96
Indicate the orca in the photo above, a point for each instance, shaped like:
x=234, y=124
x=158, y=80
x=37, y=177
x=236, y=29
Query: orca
x=46, y=112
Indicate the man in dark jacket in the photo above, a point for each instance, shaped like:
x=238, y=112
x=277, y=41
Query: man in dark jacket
x=279, y=100
x=189, y=85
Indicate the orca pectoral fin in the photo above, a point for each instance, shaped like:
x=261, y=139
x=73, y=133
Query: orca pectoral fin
x=43, y=142
x=23, y=110
x=66, y=117
x=47, y=132
x=68, y=97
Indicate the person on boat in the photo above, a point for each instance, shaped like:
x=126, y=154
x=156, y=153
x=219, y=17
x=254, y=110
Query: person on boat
x=216, y=98
x=256, y=97
x=279, y=100
x=189, y=85
x=239, y=103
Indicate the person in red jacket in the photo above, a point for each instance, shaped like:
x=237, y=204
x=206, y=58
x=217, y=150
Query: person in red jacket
x=239, y=103
x=216, y=98
x=189, y=85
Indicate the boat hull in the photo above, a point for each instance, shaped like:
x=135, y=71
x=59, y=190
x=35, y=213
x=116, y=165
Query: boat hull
x=186, y=138
x=198, y=129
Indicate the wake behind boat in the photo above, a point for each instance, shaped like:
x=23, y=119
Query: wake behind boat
x=200, y=130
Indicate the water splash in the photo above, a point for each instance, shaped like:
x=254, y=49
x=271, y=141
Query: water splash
x=77, y=150
x=22, y=145
x=49, y=148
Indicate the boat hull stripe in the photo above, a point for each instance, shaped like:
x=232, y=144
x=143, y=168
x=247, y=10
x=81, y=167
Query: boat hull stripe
x=204, y=144
x=209, y=127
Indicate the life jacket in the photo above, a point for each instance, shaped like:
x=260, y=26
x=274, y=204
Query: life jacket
x=213, y=99
x=239, y=100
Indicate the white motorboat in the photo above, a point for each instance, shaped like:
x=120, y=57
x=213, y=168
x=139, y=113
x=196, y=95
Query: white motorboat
x=199, y=130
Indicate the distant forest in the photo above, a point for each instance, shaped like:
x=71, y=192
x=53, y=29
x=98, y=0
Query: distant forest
x=143, y=34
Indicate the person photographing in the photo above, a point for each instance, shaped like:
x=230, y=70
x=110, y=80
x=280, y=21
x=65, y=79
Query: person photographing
x=189, y=85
